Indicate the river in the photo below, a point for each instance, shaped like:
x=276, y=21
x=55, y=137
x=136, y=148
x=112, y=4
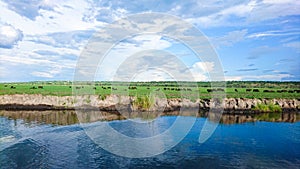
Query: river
x=56, y=139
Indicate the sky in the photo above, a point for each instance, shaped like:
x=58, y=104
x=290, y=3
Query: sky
x=253, y=39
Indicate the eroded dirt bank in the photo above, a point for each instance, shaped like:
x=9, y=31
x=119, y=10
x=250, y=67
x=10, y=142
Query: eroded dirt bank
x=113, y=102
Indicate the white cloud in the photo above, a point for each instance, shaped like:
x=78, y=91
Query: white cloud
x=3, y=71
x=152, y=75
x=9, y=36
x=54, y=29
x=203, y=66
x=23, y=60
x=246, y=13
x=267, y=77
x=222, y=17
x=272, y=10
x=200, y=70
x=53, y=71
x=230, y=38
x=277, y=1
x=274, y=33
x=127, y=49
x=241, y=10
x=42, y=74
x=233, y=78
x=65, y=16
x=294, y=45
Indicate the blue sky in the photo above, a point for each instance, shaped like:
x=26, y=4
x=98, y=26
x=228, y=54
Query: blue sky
x=254, y=39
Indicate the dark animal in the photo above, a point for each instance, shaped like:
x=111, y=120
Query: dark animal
x=248, y=90
x=235, y=90
x=40, y=87
x=220, y=90
x=133, y=87
x=13, y=87
x=255, y=90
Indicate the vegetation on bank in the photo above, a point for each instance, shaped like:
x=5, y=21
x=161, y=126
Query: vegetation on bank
x=191, y=90
x=268, y=108
x=270, y=116
x=143, y=102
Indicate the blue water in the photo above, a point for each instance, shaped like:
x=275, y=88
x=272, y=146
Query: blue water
x=247, y=145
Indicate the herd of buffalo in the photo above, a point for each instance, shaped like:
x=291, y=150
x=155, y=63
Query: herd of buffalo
x=180, y=89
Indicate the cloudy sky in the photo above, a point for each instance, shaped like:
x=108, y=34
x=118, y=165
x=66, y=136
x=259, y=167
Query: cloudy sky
x=254, y=39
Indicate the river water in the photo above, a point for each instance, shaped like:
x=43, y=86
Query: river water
x=50, y=139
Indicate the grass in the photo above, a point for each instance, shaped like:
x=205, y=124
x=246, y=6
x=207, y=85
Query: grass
x=102, y=97
x=268, y=108
x=233, y=89
x=143, y=102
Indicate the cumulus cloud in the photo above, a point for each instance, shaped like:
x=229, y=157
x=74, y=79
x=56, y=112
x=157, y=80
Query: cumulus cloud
x=49, y=74
x=200, y=70
x=57, y=31
x=126, y=50
x=9, y=36
x=71, y=39
x=38, y=18
x=42, y=74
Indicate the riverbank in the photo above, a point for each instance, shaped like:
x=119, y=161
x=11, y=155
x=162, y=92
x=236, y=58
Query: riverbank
x=74, y=117
x=114, y=102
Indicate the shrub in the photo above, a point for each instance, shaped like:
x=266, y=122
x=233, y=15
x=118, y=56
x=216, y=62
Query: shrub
x=267, y=108
x=102, y=97
x=144, y=102
x=88, y=100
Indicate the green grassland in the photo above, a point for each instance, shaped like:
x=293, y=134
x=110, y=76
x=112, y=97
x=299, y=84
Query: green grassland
x=194, y=90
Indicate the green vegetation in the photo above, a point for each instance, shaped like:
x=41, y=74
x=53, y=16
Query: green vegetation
x=143, y=102
x=268, y=108
x=191, y=90
x=88, y=100
x=268, y=116
x=102, y=97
